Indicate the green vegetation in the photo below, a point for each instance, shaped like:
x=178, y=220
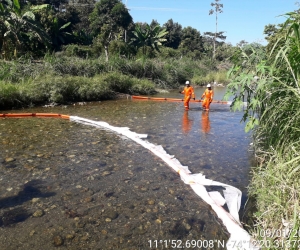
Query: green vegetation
x=269, y=83
x=59, y=78
x=49, y=55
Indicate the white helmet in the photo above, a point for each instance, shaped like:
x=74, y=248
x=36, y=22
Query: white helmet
x=187, y=82
x=208, y=85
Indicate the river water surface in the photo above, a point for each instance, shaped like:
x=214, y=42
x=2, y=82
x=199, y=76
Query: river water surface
x=72, y=186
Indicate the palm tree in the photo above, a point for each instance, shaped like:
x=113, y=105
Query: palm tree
x=217, y=9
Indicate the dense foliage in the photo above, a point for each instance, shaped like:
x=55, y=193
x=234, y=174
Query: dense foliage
x=34, y=28
x=267, y=79
x=47, y=38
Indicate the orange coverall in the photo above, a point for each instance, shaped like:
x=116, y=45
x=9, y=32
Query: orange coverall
x=189, y=93
x=208, y=96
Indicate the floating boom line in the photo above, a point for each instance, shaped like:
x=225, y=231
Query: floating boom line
x=136, y=97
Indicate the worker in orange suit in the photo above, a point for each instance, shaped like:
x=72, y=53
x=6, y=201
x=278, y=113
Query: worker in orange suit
x=208, y=97
x=205, y=122
x=189, y=93
x=186, y=123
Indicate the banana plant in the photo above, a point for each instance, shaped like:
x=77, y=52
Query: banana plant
x=16, y=25
x=58, y=32
x=149, y=36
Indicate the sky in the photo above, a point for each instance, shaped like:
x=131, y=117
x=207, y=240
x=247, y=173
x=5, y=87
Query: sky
x=240, y=20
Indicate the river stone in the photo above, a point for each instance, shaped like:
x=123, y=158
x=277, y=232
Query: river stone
x=151, y=201
x=111, y=214
x=9, y=159
x=161, y=204
x=105, y=173
x=171, y=191
x=141, y=230
x=79, y=224
x=88, y=199
x=34, y=200
x=58, y=241
x=70, y=236
x=84, y=238
x=38, y=213
x=186, y=225
x=144, y=189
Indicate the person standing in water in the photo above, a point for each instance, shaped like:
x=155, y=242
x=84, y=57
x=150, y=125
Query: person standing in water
x=208, y=97
x=189, y=93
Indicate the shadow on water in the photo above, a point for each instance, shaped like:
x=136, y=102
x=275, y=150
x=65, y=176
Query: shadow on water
x=31, y=190
x=14, y=216
x=17, y=214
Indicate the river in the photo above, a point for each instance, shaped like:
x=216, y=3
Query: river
x=79, y=187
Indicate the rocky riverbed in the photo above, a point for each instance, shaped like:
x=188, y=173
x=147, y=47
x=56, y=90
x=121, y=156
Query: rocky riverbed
x=74, y=187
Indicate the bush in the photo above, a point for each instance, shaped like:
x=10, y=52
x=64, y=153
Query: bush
x=9, y=95
x=79, y=67
x=95, y=89
x=166, y=53
x=121, y=48
x=146, y=51
x=142, y=87
x=79, y=51
x=211, y=77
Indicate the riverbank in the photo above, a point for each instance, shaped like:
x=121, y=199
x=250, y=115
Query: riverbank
x=63, y=79
x=271, y=83
x=275, y=187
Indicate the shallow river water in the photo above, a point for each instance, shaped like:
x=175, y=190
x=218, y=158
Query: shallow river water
x=72, y=186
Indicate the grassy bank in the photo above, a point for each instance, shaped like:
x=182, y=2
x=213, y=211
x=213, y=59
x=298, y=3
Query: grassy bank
x=271, y=88
x=275, y=187
x=62, y=79
x=64, y=89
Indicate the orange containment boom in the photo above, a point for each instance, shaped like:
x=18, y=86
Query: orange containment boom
x=22, y=115
x=136, y=97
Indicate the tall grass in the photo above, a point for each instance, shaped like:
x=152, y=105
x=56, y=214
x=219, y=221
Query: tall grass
x=219, y=77
x=273, y=112
x=64, y=77
x=65, y=89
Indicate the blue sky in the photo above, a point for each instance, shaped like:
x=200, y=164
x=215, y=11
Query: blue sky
x=241, y=19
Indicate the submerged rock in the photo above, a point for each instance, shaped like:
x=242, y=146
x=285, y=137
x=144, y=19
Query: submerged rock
x=9, y=159
x=38, y=213
x=58, y=241
x=111, y=214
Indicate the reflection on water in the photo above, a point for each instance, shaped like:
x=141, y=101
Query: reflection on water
x=186, y=122
x=205, y=121
x=66, y=184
